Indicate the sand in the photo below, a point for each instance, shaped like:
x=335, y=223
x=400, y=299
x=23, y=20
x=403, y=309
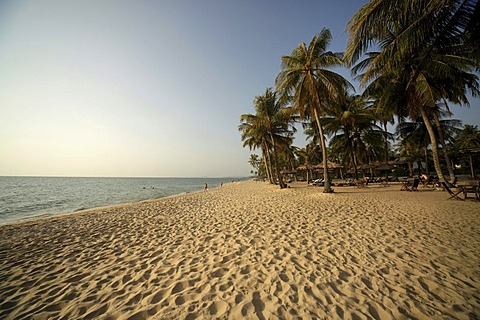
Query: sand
x=250, y=250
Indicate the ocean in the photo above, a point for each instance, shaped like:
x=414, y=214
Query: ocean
x=24, y=198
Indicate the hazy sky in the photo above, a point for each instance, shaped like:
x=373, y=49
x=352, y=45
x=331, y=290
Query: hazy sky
x=146, y=88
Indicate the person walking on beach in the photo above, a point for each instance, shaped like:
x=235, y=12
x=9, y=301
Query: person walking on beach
x=206, y=186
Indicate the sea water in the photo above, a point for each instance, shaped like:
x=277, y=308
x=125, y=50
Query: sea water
x=28, y=197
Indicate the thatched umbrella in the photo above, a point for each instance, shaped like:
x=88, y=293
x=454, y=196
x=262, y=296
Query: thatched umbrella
x=304, y=167
x=384, y=167
x=331, y=165
x=367, y=167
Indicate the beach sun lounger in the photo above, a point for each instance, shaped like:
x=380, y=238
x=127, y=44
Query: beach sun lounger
x=453, y=194
x=414, y=185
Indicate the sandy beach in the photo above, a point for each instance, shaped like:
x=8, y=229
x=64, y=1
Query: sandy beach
x=250, y=250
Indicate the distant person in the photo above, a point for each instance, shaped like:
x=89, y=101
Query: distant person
x=425, y=179
x=206, y=186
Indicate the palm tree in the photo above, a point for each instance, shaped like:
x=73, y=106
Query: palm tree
x=385, y=113
x=416, y=132
x=441, y=130
x=254, y=135
x=423, y=57
x=467, y=141
x=272, y=122
x=414, y=136
x=411, y=151
x=254, y=161
x=308, y=156
x=305, y=79
x=468, y=138
x=356, y=136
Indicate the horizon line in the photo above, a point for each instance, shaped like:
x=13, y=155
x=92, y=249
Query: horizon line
x=132, y=177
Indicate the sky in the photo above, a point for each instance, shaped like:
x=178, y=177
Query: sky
x=147, y=88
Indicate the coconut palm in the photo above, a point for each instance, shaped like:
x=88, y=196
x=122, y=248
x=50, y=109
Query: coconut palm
x=286, y=153
x=305, y=80
x=416, y=132
x=423, y=57
x=385, y=113
x=441, y=137
x=355, y=135
x=414, y=136
x=308, y=156
x=411, y=151
x=254, y=161
x=254, y=135
x=273, y=122
x=468, y=138
x=467, y=141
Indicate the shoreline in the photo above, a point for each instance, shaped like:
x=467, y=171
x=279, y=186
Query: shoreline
x=250, y=250
x=81, y=210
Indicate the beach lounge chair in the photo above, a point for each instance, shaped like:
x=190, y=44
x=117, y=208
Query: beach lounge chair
x=453, y=195
x=414, y=185
x=384, y=182
x=360, y=183
x=470, y=186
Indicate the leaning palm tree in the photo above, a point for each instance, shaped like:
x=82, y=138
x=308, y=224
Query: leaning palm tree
x=305, y=80
x=272, y=122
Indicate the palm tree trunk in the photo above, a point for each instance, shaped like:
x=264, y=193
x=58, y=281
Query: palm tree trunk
x=410, y=169
x=267, y=164
x=327, y=187
x=352, y=154
x=275, y=161
x=427, y=169
x=433, y=140
x=444, y=147
x=472, y=171
x=266, y=169
x=385, y=136
x=270, y=166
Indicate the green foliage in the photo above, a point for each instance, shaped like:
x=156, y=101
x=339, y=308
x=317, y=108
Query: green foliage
x=307, y=83
x=271, y=127
x=423, y=59
x=428, y=54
